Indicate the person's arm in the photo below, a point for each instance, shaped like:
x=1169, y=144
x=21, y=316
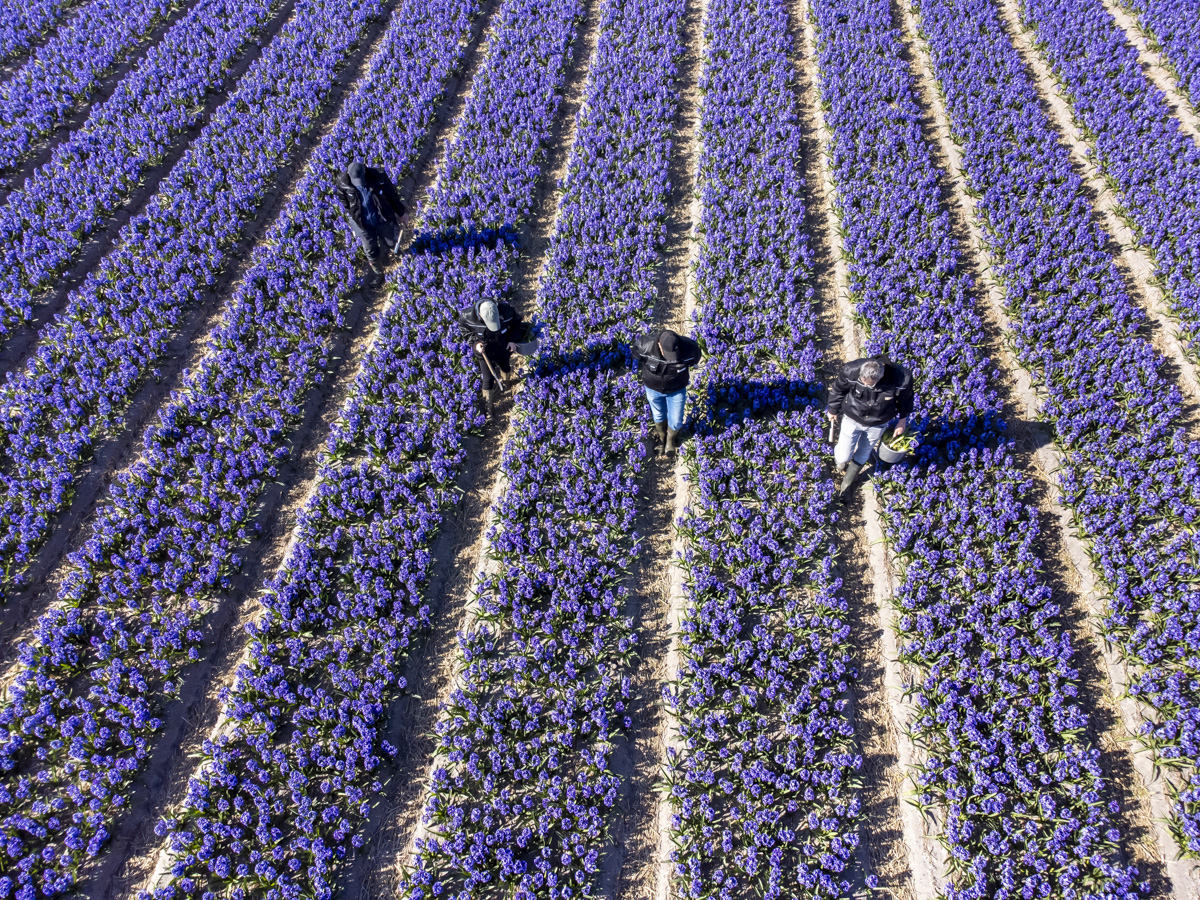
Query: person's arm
x=391, y=195
x=349, y=202
x=837, y=393
x=519, y=329
x=904, y=404
x=692, y=356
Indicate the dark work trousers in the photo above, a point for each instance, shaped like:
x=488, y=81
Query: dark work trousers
x=500, y=357
x=370, y=238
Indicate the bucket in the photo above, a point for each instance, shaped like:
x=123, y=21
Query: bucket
x=890, y=455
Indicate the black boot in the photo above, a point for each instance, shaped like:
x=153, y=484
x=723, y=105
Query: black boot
x=852, y=470
x=489, y=402
x=660, y=433
x=672, y=440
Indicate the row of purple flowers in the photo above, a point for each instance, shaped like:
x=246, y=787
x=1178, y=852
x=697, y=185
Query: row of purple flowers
x=1008, y=769
x=286, y=788
x=1129, y=473
x=1150, y=162
x=765, y=787
x=82, y=714
x=74, y=392
x=64, y=73
x=525, y=777
x=47, y=220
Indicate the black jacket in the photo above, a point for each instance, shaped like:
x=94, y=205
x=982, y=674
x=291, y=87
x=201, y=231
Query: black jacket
x=382, y=190
x=892, y=397
x=658, y=374
x=512, y=328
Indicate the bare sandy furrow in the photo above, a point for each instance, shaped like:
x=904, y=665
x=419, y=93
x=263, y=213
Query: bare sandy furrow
x=1156, y=69
x=669, y=738
x=1176, y=877
x=1135, y=262
x=632, y=866
x=925, y=857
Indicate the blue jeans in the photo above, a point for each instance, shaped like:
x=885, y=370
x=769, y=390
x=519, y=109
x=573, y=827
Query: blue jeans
x=667, y=406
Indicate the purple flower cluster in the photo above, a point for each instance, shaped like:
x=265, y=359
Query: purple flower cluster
x=295, y=768
x=64, y=73
x=1129, y=473
x=23, y=22
x=84, y=709
x=74, y=391
x=1006, y=770
x=1151, y=163
x=1175, y=28
x=48, y=220
x=524, y=779
x=765, y=788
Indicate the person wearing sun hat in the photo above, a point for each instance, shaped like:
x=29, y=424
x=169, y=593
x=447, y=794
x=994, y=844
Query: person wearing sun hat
x=664, y=360
x=374, y=208
x=498, y=332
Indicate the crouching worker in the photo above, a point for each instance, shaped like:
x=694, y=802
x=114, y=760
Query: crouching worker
x=664, y=359
x=497, y=332
x=370, y=200
x=867, y=394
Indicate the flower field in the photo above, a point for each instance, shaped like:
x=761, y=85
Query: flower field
x=288, y=611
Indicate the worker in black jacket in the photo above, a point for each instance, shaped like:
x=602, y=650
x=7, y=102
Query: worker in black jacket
x=664, y=359
x=370, y=200
x=498, y=332
x=867, y=395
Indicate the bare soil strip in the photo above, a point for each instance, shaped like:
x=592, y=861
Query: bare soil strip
x=399, y=824
x=669, y=738
x=1135, y=262
x=18, y=616
x=19, y=346
x=1145, y=807
x=1156, y=69
x=925, y=857
x=104, y=89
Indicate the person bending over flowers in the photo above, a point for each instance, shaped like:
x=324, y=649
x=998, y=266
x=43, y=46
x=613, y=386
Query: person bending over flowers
x=498, y=333
x=374, y=208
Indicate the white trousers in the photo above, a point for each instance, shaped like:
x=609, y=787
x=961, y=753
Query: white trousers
x=856, y=440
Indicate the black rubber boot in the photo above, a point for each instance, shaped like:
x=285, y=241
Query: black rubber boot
x=852, y=470
x=672, y=440
x=660, y=433
x=489, y=402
